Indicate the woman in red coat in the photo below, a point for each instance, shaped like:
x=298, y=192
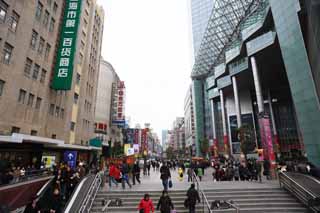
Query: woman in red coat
x=146, y=205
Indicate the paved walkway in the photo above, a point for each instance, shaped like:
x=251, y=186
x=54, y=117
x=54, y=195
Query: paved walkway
x=153, y=183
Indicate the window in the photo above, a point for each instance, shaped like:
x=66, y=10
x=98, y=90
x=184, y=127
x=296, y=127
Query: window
x=39, y=11
x=78, y=79
x=38, y=103
x=15, y=129
x=1, y=86
x=49, y=2
x=34, y=132
x=47, y=52
x=57, y=111
x=53, y=136
x=7, y=53
x=55, y=7
x=36, y=71
x=51, y=109
x=46, y=18
x=34, y=38
x=72, y=126
x=13, y=24
x=27, y=67
x=3, y=11
x=41, y=45
x=30, y=100
x=62, y=113
x=22, y=96
x=51, y=27
x=76, y=98
x=43, y=76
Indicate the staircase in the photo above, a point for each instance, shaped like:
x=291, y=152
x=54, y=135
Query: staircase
x=251, y=200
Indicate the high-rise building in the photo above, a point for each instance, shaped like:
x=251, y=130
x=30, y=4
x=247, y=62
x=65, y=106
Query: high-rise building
x=201, y=10
x=49, y=71
x=189, y=121
x=164, y=139
x=258, y=59
x=103, y=122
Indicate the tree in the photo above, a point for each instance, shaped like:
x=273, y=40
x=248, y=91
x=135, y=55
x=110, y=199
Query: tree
x=247, y=139
x=204, y=146
x=117, y=149
x=170, y=152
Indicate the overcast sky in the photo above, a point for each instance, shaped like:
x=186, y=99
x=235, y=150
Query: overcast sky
x=148, y=42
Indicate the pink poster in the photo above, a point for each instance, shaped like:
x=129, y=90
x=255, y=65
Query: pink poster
x=266, y=138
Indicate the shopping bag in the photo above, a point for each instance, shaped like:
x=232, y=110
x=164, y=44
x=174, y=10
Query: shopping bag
x=170, y=183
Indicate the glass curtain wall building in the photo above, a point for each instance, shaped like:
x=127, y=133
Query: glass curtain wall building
x=260, y=57
x=201, y=11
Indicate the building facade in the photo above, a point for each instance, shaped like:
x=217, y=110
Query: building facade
x=201, y=12
x=31, y=38
x=189, y=121
x=264, y=77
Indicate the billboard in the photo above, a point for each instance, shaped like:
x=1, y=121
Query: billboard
x=62, y=78
x=118, y=115
x=70, y=157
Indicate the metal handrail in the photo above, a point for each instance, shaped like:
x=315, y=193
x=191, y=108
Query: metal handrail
x=30, y=175
x=93, y=190
x=204, y=197
x=105, y=208
x=300, y=192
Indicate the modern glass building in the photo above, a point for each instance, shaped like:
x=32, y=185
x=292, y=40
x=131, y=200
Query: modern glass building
x=260, y=61
x=201, y=11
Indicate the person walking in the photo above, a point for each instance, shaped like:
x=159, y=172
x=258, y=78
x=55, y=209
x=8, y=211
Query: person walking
x=266, y=169
x=146, y=205
x=112, y=175
x=165, y=175
x=200, y=173
x=165, y=204
x=125, y=175
x=136, y=173
x=192, y=198
x=190, y=173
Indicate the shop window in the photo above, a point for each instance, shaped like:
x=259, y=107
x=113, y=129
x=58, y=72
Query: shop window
x=34, y=132
x=15, y=129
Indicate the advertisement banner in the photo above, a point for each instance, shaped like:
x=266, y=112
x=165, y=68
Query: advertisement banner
x=126, y=147
x=130, y=136
x=130, y=152
x=136, y=136
x=63, y=71
x=70, y=157
x=136, y=148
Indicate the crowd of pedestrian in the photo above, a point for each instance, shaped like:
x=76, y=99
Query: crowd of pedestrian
x=14, y=174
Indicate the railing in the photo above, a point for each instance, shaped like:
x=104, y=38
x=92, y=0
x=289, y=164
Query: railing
x=105, y=207
x=29, y=175
x=91, y=195
x=300, y=192
x=205, y=203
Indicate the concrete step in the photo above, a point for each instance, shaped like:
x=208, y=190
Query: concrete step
x=200, y=210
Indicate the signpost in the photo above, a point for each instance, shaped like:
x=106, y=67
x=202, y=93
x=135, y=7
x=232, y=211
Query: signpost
x=70, y=157
x=62, y=78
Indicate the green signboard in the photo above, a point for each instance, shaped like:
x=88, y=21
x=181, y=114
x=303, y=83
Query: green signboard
x=62, y=78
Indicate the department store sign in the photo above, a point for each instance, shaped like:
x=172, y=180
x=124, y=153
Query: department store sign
x=62, y=78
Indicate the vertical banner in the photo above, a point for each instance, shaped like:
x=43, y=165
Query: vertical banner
x=266, y=138
x=63, y=71
x=126, y=148
x=136, y=136
x=136, y=148
x=70, y=157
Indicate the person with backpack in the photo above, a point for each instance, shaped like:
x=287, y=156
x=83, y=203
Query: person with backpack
x=165, y=204
x=146, y=205
x=192, y=198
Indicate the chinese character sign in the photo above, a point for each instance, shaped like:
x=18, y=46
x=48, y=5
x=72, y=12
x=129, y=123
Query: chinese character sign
x=62, y=78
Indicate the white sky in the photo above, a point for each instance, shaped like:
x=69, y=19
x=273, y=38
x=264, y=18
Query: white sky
x=148, y=42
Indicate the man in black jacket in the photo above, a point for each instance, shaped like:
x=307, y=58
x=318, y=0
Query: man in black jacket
x=165, y=175
x=136, y=173
x=193, y=197
x=165, y=204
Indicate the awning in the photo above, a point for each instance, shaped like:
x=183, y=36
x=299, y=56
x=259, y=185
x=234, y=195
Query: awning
x=20, y=138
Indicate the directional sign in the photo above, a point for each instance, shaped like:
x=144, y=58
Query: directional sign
x=70, y=157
